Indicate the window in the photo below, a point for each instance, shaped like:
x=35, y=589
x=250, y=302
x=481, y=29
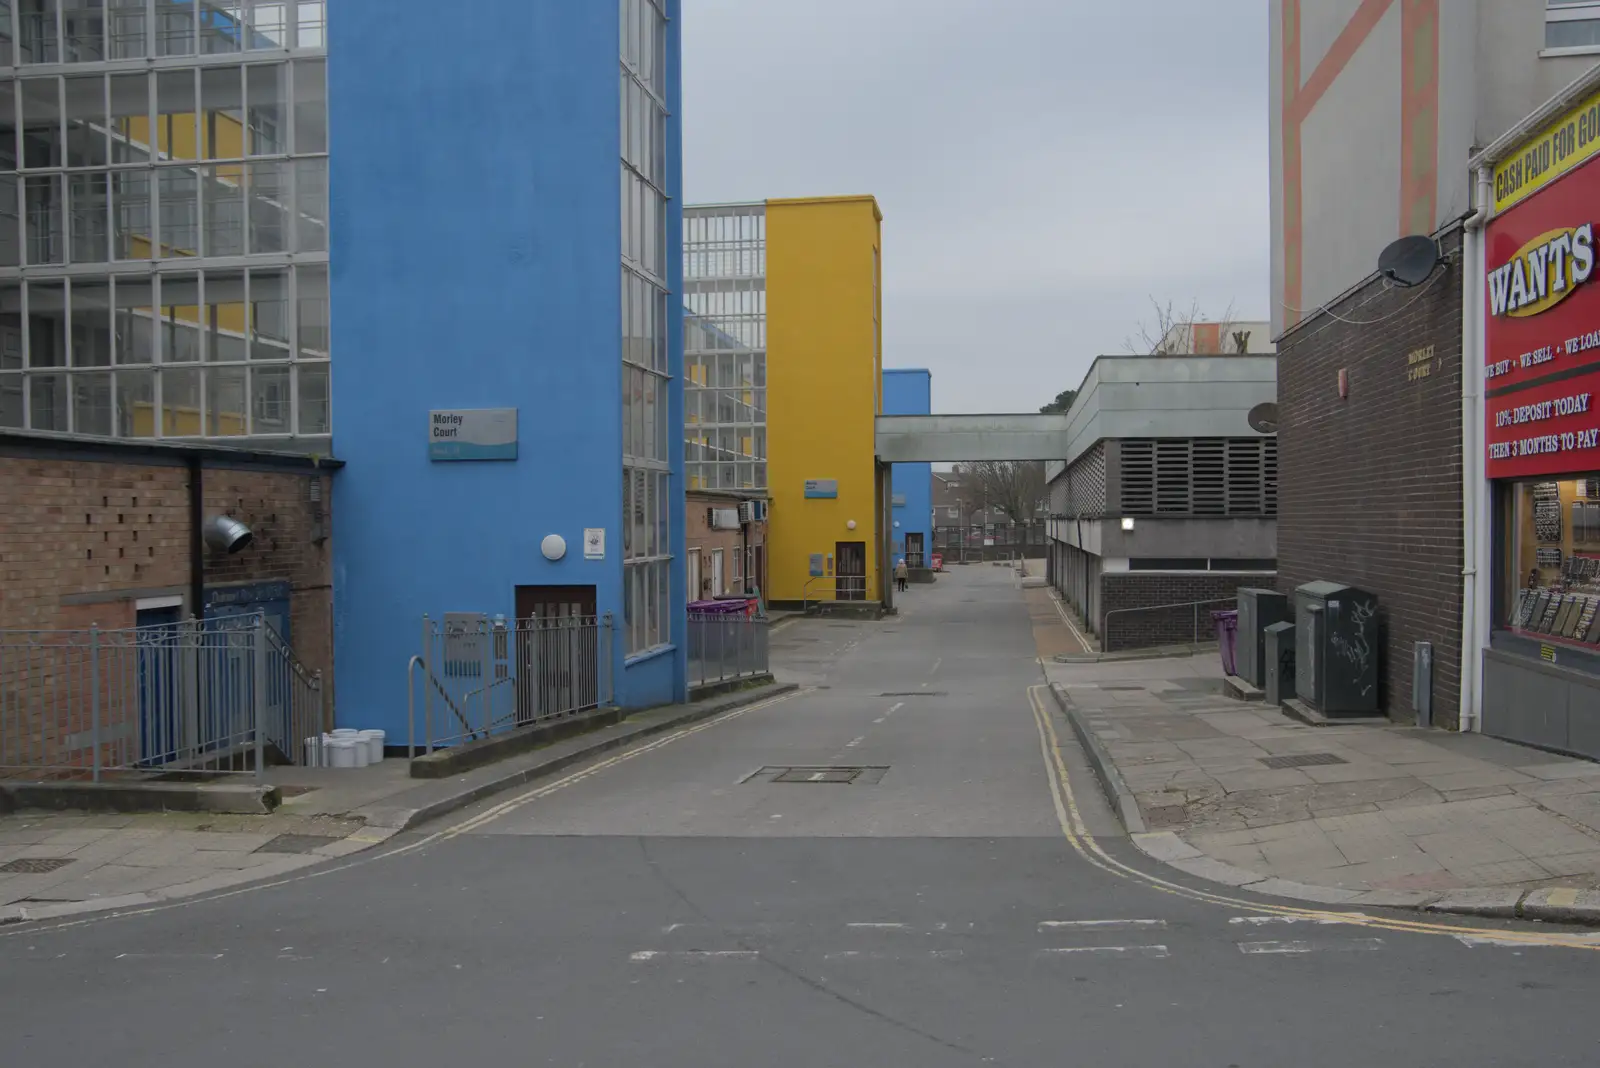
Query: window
x=1549, y=546
x=1572, y=24
x=648, y=493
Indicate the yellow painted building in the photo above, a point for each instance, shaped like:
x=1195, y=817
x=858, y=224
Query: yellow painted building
x=824, y=389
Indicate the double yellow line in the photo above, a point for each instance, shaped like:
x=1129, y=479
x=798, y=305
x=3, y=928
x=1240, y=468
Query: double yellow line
x=1085, y=845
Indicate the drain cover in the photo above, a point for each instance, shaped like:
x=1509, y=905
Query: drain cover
x=297, y=843
x=34, y=865
x=915, y=693
x=1303, y=760
x=820, y=774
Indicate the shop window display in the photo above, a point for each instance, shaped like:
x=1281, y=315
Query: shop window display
x=1555, y=560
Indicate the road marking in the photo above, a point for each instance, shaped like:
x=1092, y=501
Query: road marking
x=1070, y=820
x=1105, y=951
x=168, y=956
x=879, y=926
x=1348, y=946
x=693, y=955
x=817, y=776
x=1475, y=940
x=892, y=954
x=936, y=664
x=880, y=719
x=1077, y=635
x=1258, y=920
x=897, y=706
x=1097, y=925
x=858, y=741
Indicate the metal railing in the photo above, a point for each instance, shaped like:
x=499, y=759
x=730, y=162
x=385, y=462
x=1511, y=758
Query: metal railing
x=1176, y=626
x=479, y=676
x=224, y=695
x=726, y=646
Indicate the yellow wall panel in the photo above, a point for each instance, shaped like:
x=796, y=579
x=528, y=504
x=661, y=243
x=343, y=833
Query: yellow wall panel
x=822, y=387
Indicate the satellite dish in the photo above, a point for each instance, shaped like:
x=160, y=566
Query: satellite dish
x=1410, y=260
x=1263, y=418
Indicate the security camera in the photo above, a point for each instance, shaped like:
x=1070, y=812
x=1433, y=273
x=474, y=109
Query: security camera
x=227, y=535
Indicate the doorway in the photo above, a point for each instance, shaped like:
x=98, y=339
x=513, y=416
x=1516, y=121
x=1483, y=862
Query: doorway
x=851, y=570
x=716, y=572
x=914, y=551
x=692, y=574
x=557, y=652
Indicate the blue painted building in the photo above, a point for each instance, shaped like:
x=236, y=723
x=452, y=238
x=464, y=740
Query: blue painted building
x=909, y=391
x=476, y=250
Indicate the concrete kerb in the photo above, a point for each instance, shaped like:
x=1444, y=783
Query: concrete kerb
x=1560, y=905
x=1155, y=652
x=1105, y=769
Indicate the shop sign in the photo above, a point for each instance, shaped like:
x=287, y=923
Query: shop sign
x=1562, y=146
x=1542, y=332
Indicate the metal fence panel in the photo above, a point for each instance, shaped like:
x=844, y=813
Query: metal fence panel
x=199, y=695
x=726, y=646
x=478, y=676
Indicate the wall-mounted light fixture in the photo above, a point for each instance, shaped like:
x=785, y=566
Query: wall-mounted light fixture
x=1127, y=522
x=554, y=546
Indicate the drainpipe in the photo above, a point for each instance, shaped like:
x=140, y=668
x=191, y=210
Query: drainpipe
x=197, y=548
x=1476, y=599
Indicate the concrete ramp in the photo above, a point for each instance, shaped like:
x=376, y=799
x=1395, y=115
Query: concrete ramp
x=957, y=438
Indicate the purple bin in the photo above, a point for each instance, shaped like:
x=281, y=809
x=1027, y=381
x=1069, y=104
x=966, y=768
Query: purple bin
x=1227, y=637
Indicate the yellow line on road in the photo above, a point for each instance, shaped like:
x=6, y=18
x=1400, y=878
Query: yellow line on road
x=1085, y=845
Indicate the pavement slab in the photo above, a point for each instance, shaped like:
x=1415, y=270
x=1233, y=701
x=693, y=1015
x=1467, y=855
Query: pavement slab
x=1406, y=810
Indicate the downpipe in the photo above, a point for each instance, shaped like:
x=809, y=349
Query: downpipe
x=1475, y=534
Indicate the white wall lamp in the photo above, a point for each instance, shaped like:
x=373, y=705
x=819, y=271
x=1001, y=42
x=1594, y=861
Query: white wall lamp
x=554, y=547
x=851, y=525
x=1127, y=522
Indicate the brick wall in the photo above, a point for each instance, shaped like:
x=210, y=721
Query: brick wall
x=699, y=535
x=81, y=539
x=1162, y=626
x=1370, y=486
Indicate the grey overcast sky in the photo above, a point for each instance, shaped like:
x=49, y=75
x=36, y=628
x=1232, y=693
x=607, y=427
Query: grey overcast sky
x=1045, y=167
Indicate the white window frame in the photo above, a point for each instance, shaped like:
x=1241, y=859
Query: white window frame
x=1573, y=12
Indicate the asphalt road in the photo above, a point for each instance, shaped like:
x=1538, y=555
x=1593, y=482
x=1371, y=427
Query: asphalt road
x=673, y=906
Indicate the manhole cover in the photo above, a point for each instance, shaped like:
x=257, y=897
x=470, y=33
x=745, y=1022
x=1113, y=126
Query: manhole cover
x=820, y=775
x=297, y=843
x=817, y=775
x=1303, y=760
x=34, y=865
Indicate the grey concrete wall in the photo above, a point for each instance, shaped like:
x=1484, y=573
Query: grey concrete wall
x=1491, y=74
x=1231, y=538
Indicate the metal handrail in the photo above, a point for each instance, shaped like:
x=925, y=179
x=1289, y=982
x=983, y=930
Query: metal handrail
x=1194, y=605
x=427, y=707
x=805, y=591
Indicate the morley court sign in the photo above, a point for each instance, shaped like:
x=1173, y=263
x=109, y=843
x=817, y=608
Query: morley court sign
x=472, y=434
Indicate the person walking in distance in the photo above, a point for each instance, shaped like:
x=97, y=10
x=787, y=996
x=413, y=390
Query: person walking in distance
x=902, y=577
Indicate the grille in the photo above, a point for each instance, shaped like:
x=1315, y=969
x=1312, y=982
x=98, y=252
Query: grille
x=1303, y=760
x=35, y=865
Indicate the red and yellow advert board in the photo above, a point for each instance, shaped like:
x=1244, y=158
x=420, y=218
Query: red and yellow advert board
x=1542, y=331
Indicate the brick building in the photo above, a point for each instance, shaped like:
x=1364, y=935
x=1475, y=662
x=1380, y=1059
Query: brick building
x=1370, y=470
x=1165, y=502
x=106, y=533
x=723, y=556
x=1375, y=111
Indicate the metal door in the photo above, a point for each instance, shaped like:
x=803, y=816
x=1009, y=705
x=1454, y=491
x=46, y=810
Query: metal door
x=851, y=571
x=557, y=651
x=159, y=649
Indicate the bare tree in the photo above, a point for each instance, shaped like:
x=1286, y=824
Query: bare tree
x=1015, y=487
x=1171, y=334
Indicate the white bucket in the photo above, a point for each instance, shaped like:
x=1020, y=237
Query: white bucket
x=342, y=753
x=374, y=741
x=346, y=732
x=358, y=746
x=317, y=751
